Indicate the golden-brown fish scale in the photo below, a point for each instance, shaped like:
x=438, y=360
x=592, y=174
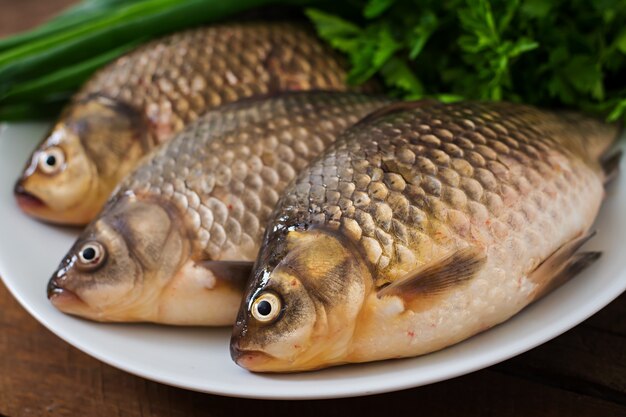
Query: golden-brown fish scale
x=223, y=174
x=175, y=79
x=425, y=182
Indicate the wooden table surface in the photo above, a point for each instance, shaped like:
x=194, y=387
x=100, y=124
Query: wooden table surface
x=581, y=373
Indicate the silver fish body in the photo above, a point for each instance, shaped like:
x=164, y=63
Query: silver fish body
x=176, y=241
x=147, y=96
x=420, y=227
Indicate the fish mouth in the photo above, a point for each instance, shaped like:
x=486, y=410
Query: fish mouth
x=65, y=300
x=27, y=201
x=252, y=360
x=40, y=210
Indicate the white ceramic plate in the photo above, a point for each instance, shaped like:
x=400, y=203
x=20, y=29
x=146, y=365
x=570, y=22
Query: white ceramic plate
x=198, y=359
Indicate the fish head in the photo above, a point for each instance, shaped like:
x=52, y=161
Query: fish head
x=301, y=313
x=72, y=172
x=118, y=267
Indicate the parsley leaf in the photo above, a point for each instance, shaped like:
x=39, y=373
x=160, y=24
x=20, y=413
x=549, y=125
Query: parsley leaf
x=544, y=52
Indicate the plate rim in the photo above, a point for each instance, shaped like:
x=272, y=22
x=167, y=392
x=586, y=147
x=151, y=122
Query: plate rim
x=366, y=387
x=547, y=333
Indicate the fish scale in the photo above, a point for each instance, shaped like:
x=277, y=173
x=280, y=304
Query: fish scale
x=176, y=78
x=421, y=226
x=179, y=235
x=443, y=219
x=146, y=96
x=225, y=172
x=441, y=176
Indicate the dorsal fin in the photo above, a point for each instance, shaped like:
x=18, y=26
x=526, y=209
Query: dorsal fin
x=439, y=276
x=396, y=108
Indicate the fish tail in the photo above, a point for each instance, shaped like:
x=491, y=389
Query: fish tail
x=605, y=140
x=597, y=136
x=600, y=144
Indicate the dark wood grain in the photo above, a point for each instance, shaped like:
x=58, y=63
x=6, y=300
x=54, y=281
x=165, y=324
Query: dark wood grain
x=582, y=373
x=591, y=359
x=19, y=15
x=42, y=375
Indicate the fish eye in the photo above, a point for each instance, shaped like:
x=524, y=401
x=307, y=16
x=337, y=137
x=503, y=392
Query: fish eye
x=91, y=255
x=266, y=307
x=51, y=160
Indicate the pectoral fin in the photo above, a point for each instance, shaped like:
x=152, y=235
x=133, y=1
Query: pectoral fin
x=439, y=276
x=562, y=265
x=233, y=273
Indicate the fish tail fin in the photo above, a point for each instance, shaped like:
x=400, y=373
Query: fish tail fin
x=596, y=135
x=599, y=137
x=610, y=165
